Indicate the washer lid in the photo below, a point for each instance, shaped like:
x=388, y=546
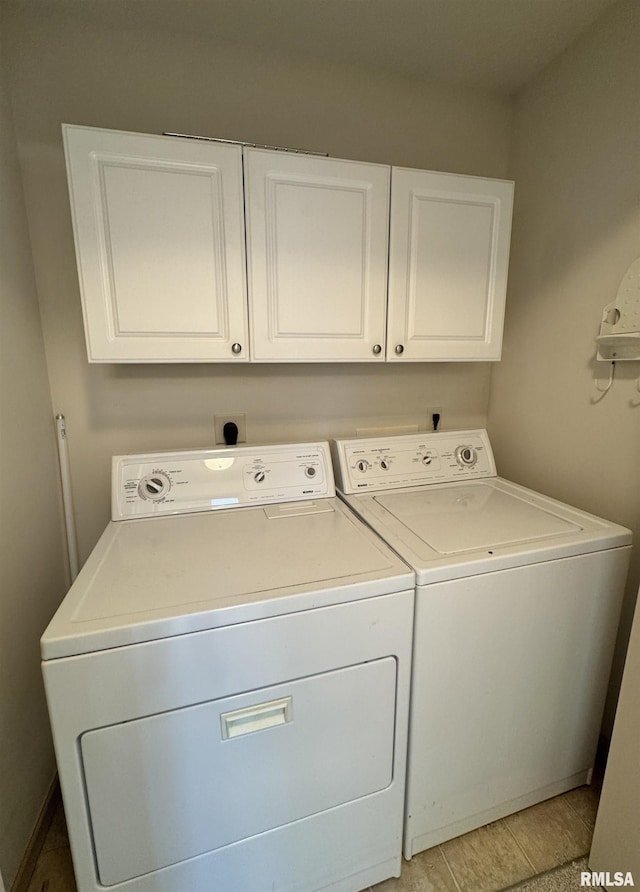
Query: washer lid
x=451, y=530
x=468, y=517
x=156, y=577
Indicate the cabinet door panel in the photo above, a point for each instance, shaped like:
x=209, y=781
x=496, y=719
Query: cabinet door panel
x=448, y=266
x=159, y=229
x=317, y=256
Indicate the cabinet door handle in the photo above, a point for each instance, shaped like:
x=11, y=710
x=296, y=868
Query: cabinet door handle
x=399, y=349
x=236, y=348
x=377, y=349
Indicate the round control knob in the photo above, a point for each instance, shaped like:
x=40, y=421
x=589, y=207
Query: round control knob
x=236, y=348
x=310, y=472
x=259, y=476
x=466, y=456
x=384, y=464
x=427, y=459
x=362, y=465
x=399, y=349
x=377, y=349
x=154, y=487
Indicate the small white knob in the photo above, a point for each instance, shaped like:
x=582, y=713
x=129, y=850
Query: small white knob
x=236, y=348
x=377, y=349
x=259, y=476
x=399, y=349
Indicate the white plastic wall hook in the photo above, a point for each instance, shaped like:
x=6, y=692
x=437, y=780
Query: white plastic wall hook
x=619, y=336
x=607, y=381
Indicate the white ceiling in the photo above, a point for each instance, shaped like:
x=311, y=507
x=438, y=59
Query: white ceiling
x=496, y=45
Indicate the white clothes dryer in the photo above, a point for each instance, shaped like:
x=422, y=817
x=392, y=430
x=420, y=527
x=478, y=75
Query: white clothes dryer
x=517, y=605
x=228, y=681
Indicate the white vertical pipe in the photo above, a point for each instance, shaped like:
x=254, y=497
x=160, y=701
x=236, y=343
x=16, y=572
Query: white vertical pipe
x=67, y=500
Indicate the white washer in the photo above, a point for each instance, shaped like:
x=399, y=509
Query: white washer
x=228, y=681
x=517, y=605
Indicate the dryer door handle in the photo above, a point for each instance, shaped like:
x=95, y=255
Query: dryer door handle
x=256, y=718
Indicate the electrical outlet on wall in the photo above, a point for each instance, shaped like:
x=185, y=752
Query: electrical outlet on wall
x=219, y=422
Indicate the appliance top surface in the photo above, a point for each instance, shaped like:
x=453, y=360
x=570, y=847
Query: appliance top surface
x=154, y=577
x=467, y=517
x=456, y=518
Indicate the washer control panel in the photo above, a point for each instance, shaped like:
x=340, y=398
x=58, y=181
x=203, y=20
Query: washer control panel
x=209, y=479
x=380, y=463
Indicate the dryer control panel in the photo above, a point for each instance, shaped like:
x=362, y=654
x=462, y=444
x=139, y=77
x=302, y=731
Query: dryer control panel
x=381, y=463
x=208, y=479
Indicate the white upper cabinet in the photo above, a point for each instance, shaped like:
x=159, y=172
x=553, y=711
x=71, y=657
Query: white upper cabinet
x=159, y=232
x=317, y=238
x=161, y=223
x=448, y=261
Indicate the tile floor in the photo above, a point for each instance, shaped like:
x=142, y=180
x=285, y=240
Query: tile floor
x=492, y=858
x=507, y=852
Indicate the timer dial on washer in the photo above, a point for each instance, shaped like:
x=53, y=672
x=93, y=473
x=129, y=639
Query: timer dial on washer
x=362, y=465
x=466, y=456
x=154, y=487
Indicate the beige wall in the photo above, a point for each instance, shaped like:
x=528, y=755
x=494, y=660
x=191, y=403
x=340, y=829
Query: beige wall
x=576, y=162
x=615, y=839
x=32, y=576
x=65, y=71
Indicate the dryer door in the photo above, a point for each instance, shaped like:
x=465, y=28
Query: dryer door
x=211, y=774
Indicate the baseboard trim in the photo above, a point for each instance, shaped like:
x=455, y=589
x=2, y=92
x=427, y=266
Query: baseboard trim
x=34, y=846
